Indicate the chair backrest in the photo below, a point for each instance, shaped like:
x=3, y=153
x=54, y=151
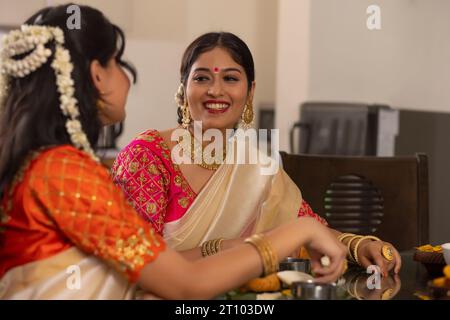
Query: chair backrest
x=386, y=197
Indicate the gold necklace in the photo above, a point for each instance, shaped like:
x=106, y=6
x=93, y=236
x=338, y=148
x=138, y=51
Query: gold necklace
x=195, y=148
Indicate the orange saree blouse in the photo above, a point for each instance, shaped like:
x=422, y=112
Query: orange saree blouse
x=61, y=198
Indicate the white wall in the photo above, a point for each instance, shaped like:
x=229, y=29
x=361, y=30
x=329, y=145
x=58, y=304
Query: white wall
x=406, y=64
x=292, y=64
x=255, y=21
x=326, y=52
x=13, y=13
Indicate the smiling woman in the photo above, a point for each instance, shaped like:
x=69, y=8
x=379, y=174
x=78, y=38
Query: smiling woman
x=217, y=87
x=201, y=209
x=217, y=70
x=217, y=90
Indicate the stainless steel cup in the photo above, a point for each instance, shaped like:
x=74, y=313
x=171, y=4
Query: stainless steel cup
x=313, y=291
x=301, y=265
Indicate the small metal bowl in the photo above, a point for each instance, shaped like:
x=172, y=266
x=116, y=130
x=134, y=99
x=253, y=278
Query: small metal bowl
x=301, y=265
x=313, y=291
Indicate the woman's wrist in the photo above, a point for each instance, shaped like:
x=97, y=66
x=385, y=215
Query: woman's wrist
x=363, y=244
x=355, y=243
x=307, y=227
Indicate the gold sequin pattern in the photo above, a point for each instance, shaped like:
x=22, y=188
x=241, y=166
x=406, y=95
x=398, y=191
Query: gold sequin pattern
x=77, y=194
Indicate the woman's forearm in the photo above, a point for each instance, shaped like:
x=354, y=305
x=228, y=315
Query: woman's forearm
x=196, y=253
x=179, y=278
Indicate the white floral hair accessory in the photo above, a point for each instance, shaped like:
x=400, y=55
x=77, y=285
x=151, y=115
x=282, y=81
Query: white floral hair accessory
x=32, y=40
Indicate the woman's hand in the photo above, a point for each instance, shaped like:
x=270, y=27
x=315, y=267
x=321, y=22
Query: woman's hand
x=324, y=243
x=371, y=253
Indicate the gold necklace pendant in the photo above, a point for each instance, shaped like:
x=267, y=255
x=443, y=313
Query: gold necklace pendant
x=196, y=151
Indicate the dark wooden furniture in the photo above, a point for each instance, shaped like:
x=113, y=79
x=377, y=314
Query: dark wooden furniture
x=386, y=197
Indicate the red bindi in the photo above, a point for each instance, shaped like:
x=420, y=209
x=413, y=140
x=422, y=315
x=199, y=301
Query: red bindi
x=216, y=70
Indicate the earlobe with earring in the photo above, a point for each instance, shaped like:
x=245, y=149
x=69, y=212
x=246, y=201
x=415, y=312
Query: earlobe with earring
x=180, y=98
x=247, y=116
x=101, y=105
x=186, y=115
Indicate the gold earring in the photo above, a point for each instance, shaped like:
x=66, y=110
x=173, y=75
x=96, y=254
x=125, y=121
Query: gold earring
x=248, y=114
x=181, y=100
x=101, y=105
x=179, y=95
x=185, y=115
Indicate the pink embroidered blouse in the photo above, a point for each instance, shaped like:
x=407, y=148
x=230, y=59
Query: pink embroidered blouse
x=155, y=186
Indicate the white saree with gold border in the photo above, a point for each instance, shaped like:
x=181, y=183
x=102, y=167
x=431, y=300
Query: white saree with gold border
x=69, y=275
x=236, y=202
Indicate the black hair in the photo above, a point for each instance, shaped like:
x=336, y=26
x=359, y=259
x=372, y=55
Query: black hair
x=237, y=48
x=31, y=117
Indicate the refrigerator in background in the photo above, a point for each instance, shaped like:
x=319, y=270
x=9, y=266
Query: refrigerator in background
x=354, y=129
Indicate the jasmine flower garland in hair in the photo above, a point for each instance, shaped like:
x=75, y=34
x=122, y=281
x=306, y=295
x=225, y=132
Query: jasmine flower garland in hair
x=33, y=39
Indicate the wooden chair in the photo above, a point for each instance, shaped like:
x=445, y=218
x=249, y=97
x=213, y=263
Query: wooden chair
x=386, y=197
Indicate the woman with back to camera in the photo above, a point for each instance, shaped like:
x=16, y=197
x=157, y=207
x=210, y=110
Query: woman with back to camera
x=59, y=210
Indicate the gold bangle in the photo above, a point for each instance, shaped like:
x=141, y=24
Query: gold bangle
x=255, y=243
x=211, y=247
x=350, y=284
x=206, y=248
x=271, y=254
x=265, y=250
x=273, y=260
x=349, y=248
x=265, y=253
x=355, y=287
x=218, y=244
x=344, y=236
x=203, y=248
x=214, y=246
x=355, y=250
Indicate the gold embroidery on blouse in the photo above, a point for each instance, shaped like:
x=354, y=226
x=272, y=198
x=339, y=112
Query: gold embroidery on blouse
x=150, y=208
x=141, y=198
x=178, y=180
x=132, y=250
x=142, y=179
x=144, y=158
x=152, y=169
x=133, y=167
x=183, y=202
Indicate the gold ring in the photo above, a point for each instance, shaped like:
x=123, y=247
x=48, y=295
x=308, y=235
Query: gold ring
x=387, y=253
x=387, y=294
